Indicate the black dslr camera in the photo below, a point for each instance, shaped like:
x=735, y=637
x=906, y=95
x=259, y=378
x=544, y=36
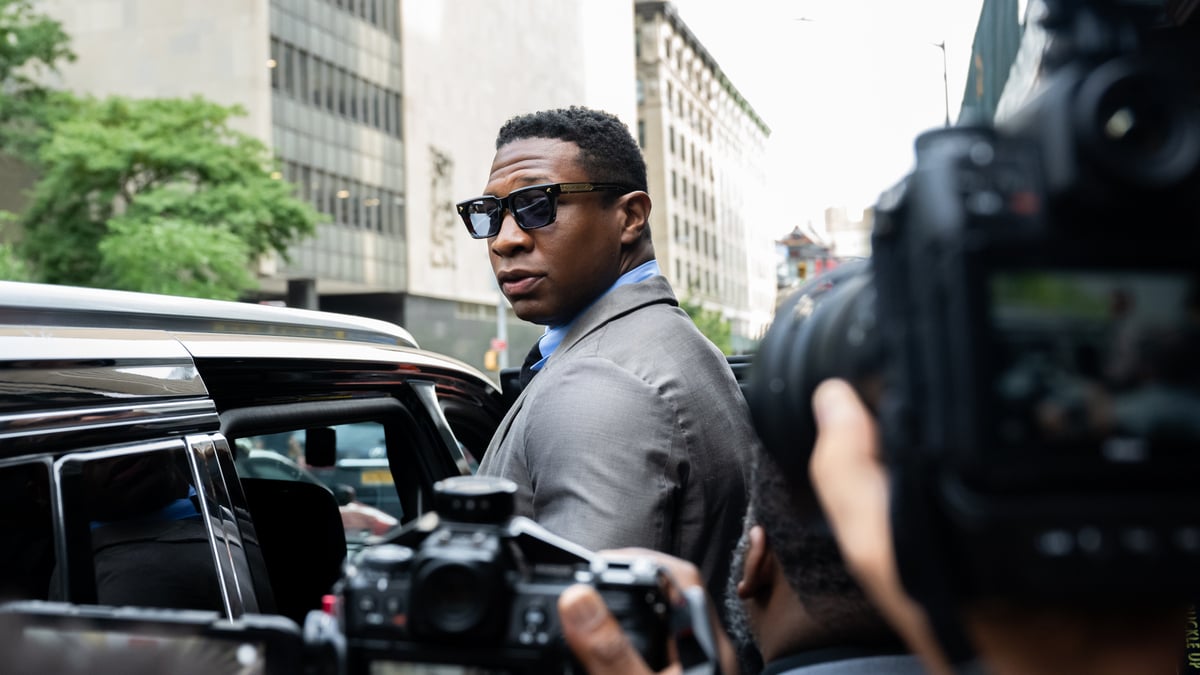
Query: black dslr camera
x=1027, y=332
x=473, y=585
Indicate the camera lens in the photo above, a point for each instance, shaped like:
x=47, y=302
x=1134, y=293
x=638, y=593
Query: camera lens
x=1138, y=125
x=826, y=329
x=454, y=598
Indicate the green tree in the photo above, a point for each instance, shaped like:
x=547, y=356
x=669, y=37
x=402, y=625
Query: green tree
x=158, y=195
x=31, y=47
x=12, y=267
x=710, y=322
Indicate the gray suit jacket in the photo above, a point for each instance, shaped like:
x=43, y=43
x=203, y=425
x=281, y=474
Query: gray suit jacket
x=634, y=433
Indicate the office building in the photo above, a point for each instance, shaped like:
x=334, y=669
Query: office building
x=705, y=150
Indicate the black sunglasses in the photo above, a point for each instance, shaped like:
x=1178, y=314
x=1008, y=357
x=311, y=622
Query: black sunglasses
x=532, y=207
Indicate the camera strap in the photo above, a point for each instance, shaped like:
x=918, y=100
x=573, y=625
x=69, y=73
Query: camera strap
x=694, y=636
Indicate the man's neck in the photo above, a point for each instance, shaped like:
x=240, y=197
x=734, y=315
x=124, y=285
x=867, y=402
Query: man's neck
x=554, y=335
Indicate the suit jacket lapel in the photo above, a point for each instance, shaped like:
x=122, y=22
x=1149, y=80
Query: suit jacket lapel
x=618, y=303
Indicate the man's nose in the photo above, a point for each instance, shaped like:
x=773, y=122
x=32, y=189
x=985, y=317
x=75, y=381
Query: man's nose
x=511, y=238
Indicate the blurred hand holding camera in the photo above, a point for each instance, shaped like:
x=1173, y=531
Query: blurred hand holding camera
x=599, y=643
x=851, y=482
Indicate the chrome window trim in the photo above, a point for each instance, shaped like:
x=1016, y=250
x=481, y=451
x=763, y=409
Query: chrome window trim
x=224, y=533
x=101, y=417
x=427, y=393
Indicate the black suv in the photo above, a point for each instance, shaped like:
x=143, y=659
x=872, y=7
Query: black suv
x=190, y=454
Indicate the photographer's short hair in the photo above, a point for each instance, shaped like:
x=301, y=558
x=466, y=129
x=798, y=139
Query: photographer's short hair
x=812, y=563
x=608, y=152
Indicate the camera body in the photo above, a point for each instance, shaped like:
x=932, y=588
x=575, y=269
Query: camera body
x=1027, y=331
x=472, y=585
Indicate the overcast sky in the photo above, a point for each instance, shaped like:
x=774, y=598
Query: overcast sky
x=845, y=86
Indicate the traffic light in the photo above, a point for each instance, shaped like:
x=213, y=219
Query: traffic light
x=491, y=359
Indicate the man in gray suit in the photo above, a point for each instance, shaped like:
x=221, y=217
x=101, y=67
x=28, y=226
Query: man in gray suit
x=634, y=431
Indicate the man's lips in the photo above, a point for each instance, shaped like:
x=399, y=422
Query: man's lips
x=517, y=283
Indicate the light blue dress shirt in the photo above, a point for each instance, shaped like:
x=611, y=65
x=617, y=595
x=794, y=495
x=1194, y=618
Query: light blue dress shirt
x=554, y=335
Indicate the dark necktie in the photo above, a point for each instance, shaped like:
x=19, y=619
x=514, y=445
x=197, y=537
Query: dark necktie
x=527, y=371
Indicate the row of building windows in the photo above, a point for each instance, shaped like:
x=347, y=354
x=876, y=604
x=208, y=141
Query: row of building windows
x=351, y=203
x=690, y=235
x=470, y=311
x=315, y=81
x=694, y=115
x=383, y=14
x=688, y=153
x=699, y=199
x=691, y=68
x=706, y=282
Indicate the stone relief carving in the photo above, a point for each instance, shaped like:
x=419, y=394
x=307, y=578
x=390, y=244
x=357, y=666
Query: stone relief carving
x=442, y=219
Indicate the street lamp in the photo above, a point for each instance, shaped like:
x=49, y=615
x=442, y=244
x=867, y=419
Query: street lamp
x=945, y=77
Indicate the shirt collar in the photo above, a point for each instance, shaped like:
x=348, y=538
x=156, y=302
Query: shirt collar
x=554, y=335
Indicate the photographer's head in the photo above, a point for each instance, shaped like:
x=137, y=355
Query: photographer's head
x=789, y=590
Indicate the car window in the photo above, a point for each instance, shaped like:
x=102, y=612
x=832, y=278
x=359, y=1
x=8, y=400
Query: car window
x=360, y=477
x=26, y=531
x=135, y=531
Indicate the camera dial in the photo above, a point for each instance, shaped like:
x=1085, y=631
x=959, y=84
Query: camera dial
x=474, y=499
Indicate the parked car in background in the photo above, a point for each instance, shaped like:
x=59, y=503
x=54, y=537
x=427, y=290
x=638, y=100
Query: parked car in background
x=360, y=519
x=121, y=414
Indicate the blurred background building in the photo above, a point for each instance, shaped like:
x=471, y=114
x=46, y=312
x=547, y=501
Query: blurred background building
x=800, y=256
x=705, y=150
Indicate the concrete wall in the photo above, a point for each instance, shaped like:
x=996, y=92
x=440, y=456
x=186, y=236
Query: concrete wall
x=164, y=48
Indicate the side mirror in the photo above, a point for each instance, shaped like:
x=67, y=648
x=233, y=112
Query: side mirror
x=320, y=446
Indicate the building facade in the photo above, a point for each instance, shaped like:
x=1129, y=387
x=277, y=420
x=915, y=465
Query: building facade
x=705, y=149
x=383, y=113
x=849, y=237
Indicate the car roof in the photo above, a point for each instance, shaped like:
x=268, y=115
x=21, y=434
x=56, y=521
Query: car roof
x=49, y=304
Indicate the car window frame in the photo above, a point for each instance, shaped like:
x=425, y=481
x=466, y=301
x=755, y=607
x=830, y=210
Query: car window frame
x=205, y=454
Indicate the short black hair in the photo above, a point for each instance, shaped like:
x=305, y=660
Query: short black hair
x=811, y=561
x=607, y=151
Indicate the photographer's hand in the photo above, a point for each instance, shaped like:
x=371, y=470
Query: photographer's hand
x=594, y=636
x=599, y=642
x=852, y=484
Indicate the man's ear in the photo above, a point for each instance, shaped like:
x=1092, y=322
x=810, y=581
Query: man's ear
x=756, y=571
x=635, y=207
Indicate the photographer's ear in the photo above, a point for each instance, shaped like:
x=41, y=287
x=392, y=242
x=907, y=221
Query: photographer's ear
x=756, y=569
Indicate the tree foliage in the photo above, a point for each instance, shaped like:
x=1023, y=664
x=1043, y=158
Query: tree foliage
x=31, y=47
x=12, y=267
x=158, y=195
x=710, y=322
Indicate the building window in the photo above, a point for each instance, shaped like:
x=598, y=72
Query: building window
x=289, y=78
x=273, y=62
